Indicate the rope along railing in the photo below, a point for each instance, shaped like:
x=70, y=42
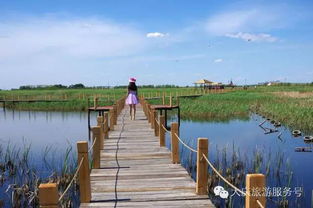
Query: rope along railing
x=260, y=204
x=74, y=177
x=48, y=192
x=203, y=156
x=226, y=181
x=93, y=144
x=210, y=164
x=215, y=170
x=165, y=129
x=253, y=181
x=183, y=143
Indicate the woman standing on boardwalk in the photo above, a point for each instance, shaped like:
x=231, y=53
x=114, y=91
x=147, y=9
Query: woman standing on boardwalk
x=132, y=99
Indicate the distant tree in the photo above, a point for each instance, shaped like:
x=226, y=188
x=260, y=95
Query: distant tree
x=77, y=86
x=26, y=87
x=58, y=86
x=120, y=87
x=166, y=86
x=146, y=86
x=42, y=87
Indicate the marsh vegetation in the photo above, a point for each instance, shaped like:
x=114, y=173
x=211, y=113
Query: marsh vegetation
x=21, y=173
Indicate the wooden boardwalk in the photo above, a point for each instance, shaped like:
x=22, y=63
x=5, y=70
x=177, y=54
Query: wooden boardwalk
x=136, y=172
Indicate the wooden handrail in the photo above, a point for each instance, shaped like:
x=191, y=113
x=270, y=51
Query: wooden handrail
x=84, y=172
x=48, y=193
x=174, y=142
x=202, y=167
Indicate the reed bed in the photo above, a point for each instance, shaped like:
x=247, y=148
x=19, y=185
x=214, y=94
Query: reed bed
x=234, y=164
x=289, y=104
x=21, y=173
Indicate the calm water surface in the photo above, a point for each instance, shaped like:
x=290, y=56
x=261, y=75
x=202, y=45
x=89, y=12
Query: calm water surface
x=61, y=130
x=49, y=134
x=248, y=137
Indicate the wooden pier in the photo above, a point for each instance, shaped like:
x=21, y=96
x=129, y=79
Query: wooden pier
x=131, y=167
x=136, y=172
x=4, y=102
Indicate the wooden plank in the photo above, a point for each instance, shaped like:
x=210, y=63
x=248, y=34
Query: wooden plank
x=142, y=168
x=149, y=195
x=201, y=203
x=145, y=173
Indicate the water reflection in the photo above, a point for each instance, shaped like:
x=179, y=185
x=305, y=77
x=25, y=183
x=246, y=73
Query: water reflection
x=59, y=130
x=248, y=138
x=42, y=129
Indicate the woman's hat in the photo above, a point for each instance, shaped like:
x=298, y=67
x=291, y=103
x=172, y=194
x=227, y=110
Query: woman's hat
x=132, y=80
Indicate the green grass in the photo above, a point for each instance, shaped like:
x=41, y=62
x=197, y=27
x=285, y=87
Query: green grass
x=274, y=102
x=21, y=175
x=296, y=113
x=77, y=99
x=224, y=106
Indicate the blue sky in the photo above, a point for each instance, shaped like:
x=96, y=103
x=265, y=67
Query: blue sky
x=101, y=42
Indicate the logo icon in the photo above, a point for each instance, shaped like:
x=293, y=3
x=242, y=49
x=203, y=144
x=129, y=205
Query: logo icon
x=220, y=191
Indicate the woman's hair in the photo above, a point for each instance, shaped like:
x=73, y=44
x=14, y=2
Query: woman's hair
x=132, y=86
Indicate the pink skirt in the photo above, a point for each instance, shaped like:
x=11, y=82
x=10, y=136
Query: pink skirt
x=132, y=99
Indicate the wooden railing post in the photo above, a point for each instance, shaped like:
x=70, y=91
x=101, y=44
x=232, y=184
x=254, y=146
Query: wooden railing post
x=118, y=106
x=84, y=173
x=143, y=103
x=121, y=104
x=106, y=125
x=156, y=127
x=202, y=167
x=95, y=102
x=149, y=113
x=152, y=119
x=96, y=148
x=163, y=99
x=48, y=195
x=100, y=124
x=255, y=190
x=145, y=107
x=115, y=114
x=174, y=142
x=171, y=101
x=162, y=131
x=111, y=120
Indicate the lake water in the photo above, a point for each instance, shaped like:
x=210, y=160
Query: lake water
x=60, y=130
x=49, y=134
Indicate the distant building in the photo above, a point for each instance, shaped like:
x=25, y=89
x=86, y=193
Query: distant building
x=206, y=84
x=270, y=83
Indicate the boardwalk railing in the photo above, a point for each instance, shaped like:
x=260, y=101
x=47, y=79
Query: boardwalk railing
x=48, y=192
x=255, y=183
x=193, y=92
x=49, y=195
x=56, y=97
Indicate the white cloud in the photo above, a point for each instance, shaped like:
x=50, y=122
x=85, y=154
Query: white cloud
x=75, y=37
x=262, y=37
x=156, y=35
x=218, y=60
x=243, y=20
x=65, y=50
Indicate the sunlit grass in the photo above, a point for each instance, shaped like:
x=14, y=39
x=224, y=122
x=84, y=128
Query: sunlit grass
x=289, y=104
